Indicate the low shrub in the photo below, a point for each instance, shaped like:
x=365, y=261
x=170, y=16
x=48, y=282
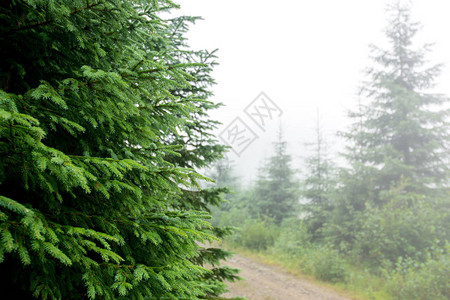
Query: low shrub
x=293, y=237
x=325, y=264
x=419, y=281
x=258, y=234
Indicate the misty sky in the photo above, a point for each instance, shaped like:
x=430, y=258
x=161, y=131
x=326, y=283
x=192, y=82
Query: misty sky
x=306, y=56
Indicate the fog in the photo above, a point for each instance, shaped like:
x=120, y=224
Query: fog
x=306, y=56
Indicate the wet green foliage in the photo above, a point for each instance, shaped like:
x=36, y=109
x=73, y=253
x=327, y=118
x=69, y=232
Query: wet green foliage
x=103, y=119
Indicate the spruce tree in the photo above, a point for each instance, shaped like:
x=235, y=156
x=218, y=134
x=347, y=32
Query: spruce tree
x=319, y=183
x=102, y=122
x=402, y=132
x=399, y=139
x=225, y=179
x=276, y=191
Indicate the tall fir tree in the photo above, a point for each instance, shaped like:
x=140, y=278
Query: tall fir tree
x=403, y=131
x=224, y=176
x=276, y=192
x=319, y=182
x=400, y=137
x=102, y=122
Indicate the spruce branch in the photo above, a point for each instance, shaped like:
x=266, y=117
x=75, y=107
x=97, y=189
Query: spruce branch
x=49, y=21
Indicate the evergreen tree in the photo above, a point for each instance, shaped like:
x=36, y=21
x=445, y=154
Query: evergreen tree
x=97, y=197
x=276, y=189
x=399, y=140
x=318, y=183
x=199, y=148
x=222, y=172
x=403, y=131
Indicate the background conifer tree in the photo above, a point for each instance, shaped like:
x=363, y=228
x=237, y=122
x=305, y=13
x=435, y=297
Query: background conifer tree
x=402, y=131
x=276, y=191
x=399, y=140
x=319, y=182
x=102, y=122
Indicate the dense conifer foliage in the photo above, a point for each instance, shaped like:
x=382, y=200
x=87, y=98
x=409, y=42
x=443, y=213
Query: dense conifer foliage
x=103, y=119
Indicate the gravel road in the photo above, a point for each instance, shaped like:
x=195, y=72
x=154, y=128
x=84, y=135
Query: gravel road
x=265, y=282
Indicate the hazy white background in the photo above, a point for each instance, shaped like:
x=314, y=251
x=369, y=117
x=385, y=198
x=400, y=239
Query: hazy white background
x=305, y=55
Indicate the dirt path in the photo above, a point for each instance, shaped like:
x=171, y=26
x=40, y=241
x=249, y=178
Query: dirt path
x=264, y=282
